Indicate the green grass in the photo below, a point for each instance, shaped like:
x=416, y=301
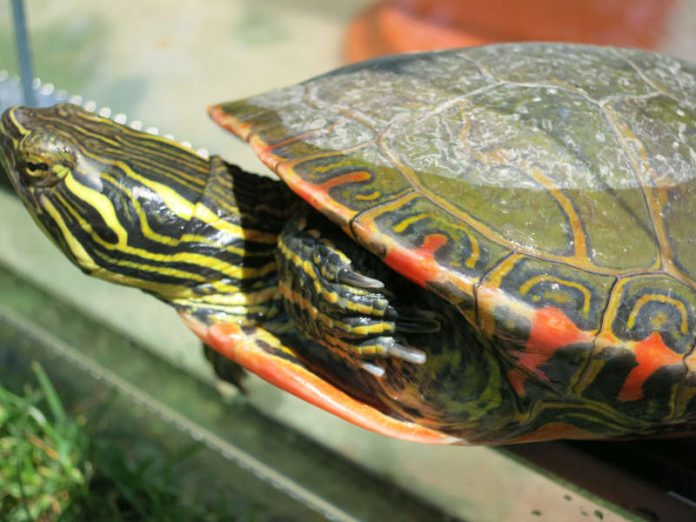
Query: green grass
x=53, y=468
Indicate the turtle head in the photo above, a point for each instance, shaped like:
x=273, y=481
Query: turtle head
x=41, y=153
x=99, y=189
x=35, y=157
x=131, y=207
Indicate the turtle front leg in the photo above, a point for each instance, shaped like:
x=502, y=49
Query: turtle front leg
x=266, y=355
x=344, y=298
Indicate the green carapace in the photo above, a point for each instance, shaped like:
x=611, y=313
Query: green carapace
x=485, y=246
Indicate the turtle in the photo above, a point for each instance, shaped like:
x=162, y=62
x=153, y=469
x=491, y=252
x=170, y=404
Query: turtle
x=487, y=245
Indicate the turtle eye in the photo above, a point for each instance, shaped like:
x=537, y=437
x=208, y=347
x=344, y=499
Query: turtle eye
x=42, y=173
x=36, y=169
x=44, y=160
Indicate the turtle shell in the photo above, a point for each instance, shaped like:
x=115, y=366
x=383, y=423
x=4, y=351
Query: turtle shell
x=545, y=190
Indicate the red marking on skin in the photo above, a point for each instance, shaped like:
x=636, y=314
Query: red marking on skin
x=551, y=330
x=554, y=431
x=651, y=354
x=517, y=378
x=418, y=264
x=295, y=378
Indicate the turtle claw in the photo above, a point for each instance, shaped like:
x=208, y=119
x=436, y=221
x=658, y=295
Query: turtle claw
x=414, y=320
x=418, y=326
x=373, y=369
x=347, y=276
x=426, y=314
x=407, y=353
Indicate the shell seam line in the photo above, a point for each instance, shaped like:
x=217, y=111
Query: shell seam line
x=603, y=316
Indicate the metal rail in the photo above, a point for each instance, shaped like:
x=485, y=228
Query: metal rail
x=26, y=68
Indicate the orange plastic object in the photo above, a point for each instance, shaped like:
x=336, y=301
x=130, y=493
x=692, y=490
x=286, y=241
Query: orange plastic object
x=396, y=26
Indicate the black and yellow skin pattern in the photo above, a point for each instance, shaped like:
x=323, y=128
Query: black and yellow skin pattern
x=146, y=212
x=505, y=252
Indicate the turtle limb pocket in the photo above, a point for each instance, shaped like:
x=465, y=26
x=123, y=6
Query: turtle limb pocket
x=339, y=295
x=226, y=369
x=264, y=354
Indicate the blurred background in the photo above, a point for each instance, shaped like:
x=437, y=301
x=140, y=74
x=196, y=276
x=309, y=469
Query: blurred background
x=161, y=62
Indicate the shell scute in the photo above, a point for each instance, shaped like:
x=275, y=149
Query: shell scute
x=543, y=317
x=580, y=295
x=397, y=87
x=413, y=222
x=673, y=77
x=656, y=304
x=595, y=72
x=334, y=173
